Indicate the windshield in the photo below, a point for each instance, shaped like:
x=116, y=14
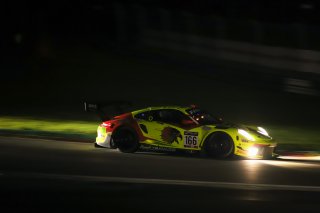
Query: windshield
x=203, y=117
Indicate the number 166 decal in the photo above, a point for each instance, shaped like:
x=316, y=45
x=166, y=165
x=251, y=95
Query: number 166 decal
x=190, y=139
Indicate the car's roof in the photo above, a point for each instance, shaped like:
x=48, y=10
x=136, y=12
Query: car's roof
x=180, y=108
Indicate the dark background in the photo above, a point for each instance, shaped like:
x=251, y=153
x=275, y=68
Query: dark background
x=56, y=54
x=252, y=61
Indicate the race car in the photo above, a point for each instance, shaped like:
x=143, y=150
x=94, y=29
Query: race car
x=179, y=128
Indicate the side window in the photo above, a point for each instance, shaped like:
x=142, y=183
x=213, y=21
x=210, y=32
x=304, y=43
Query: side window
x=169, y=116
x=142, y=115
x=148, y=115
x=174, y=117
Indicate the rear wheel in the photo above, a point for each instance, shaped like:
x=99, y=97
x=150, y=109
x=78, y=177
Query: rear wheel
x=218, y=145
x=126, y=140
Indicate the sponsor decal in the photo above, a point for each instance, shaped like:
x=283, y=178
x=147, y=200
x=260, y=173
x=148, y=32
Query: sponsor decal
x=170, y=135
x=190, y=139
x=156, y=148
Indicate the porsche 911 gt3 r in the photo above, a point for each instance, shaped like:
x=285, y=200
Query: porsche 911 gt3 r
x=184, y=128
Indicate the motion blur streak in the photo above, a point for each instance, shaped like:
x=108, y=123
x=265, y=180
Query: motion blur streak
x=227, y=185
x=286, y=164
x=310, y=158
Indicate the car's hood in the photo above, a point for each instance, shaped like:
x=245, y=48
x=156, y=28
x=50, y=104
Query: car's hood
x=253, y=130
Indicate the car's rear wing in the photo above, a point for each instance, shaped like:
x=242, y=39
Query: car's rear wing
x=90, y=107
x=107, y=110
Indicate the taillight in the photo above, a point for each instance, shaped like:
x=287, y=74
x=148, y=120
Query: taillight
x=107, y=124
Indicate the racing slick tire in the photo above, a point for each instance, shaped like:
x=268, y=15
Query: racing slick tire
x=126, y=140
x=218, y=145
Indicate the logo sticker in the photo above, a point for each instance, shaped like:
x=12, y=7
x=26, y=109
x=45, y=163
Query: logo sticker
x=170, y=135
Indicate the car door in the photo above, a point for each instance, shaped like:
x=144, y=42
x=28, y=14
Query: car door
x=171, y=127
x=150, y=126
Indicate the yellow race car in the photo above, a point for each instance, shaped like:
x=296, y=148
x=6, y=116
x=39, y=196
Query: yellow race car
x=175, y=128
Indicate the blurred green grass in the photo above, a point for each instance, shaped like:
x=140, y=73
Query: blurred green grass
x=295, y=138
x=49, y=128
x=288, y=137
x=49, y=101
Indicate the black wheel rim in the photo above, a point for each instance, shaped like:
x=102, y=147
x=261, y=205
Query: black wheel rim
x=125, y=139
x=219, y=146
x=222, y=148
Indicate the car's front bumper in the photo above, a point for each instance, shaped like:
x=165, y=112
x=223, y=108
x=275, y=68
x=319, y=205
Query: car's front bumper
x=256, y=151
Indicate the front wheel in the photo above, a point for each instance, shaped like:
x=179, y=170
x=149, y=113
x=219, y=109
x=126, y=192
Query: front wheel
x=126, y=140
x=218, y=145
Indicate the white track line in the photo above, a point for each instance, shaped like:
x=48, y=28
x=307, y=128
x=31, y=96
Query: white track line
x=310, y=158
x=228, y=185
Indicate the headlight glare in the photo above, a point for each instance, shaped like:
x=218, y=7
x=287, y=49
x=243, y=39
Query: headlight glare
x=262, y=131
x=245, y=134
x=253, y=151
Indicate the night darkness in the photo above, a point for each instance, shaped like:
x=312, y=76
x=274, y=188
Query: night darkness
x=253, y=62
x=64, y=52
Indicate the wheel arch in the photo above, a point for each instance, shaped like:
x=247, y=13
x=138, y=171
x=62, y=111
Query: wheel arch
x=216, y=132
x=124, y=145
x=124, y=126
x=220, y=138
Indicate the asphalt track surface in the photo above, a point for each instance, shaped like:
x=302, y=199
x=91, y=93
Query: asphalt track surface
x=39, y=175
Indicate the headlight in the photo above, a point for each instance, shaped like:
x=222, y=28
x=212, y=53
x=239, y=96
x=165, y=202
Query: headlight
x=262, y=131
x=253, y=151
x=245, y=134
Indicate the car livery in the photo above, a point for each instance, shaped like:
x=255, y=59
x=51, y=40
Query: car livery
x=183, y=128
